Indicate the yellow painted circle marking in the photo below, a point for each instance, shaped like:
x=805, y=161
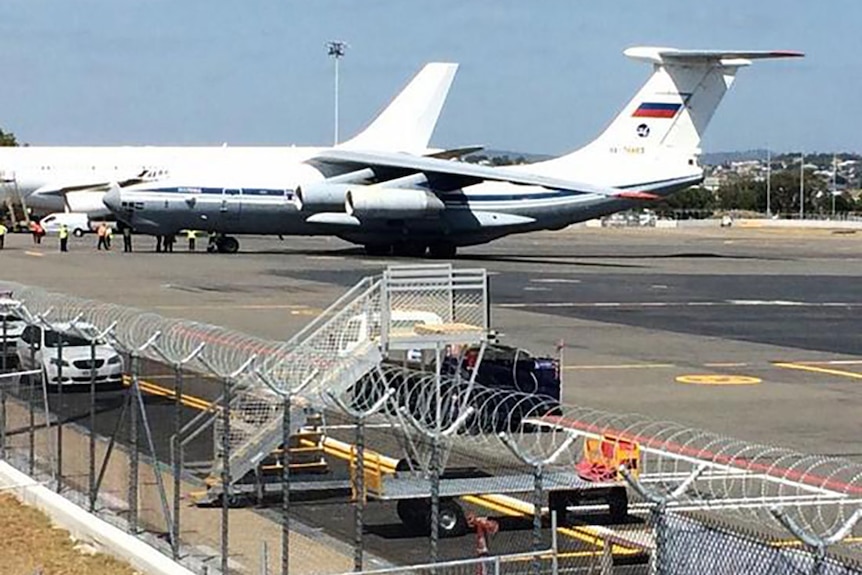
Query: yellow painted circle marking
x=714, y=379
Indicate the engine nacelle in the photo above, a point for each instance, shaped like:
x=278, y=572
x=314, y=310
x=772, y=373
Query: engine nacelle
x=321, y=197
x=391, y=203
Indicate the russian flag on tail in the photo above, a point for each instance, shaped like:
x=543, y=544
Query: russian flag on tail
x=656, y=110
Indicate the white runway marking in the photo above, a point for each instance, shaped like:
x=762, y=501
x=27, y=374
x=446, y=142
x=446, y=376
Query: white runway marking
x=647, y=304
x=555, y=281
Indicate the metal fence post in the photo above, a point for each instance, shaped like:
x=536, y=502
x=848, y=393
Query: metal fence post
x=538, y=466
x=176, y=442
x=31, y=405
x=91, y=463
x=285, y=483
x=132, y=495
x=225, y=474
x=227, y=380
x=660, y=561
x=819, y=546
x=359, y=418
x=3, y=392
x=435, y=435
x=286, y=426
x=177, y=451
x=59, y=473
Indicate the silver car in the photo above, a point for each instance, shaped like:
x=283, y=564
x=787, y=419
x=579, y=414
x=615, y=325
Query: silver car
x=74, y=363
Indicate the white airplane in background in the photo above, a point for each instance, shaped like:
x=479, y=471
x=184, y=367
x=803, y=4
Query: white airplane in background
x=411, y=205
x=75, y=178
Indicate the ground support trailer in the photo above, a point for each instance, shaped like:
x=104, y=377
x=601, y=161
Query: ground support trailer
x=411, y=491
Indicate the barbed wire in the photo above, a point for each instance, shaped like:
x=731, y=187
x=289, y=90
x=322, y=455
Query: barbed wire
x=741, y=478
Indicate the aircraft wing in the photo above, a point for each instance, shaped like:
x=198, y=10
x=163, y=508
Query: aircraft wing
x=446, y=175
x=62, y=188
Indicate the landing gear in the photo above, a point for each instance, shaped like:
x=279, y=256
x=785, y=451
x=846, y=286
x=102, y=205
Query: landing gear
x=409, y=250
x=442, y=251
x=223, y=245
x=378, y=249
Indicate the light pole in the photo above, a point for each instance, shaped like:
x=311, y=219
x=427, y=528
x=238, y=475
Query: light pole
x=768, y=184
x=834, y=181
x=801, y=186
x=336, y=49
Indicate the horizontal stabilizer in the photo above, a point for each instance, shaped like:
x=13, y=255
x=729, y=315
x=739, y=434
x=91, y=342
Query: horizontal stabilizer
x=637, y=196
x=452, y=153
x=674, y=55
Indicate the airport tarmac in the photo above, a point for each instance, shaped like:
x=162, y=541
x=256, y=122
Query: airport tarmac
x=776, y=310
x=751, y=333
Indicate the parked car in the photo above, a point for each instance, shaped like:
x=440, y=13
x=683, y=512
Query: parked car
x=74, y=362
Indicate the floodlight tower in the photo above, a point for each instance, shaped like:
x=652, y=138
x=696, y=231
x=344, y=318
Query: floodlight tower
x=336, y=49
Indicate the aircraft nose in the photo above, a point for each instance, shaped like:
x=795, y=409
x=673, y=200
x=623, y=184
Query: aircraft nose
x=112, y=199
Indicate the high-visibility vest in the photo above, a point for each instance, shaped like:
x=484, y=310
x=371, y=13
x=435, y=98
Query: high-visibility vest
x=3, y=230
x=191, y=234
x=64, y=232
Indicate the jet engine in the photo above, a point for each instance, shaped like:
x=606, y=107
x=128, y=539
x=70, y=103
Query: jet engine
x=320, y=196
x=391, y=203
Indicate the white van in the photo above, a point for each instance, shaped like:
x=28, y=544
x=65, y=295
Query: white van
x=78, y=223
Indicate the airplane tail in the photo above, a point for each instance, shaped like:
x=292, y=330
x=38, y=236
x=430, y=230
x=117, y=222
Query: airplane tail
x=407, y=123
x=654, y=142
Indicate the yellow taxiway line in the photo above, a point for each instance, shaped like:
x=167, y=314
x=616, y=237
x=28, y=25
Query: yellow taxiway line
x=817, y=369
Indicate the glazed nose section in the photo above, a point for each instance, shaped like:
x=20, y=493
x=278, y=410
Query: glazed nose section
x=113, y=198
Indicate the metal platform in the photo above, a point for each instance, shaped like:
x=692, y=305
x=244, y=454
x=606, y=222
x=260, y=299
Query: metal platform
x=414, y=486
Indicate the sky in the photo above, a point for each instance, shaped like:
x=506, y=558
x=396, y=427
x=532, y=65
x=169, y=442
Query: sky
x=538, y=76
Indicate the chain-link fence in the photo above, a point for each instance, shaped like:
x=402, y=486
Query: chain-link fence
x=371, y=427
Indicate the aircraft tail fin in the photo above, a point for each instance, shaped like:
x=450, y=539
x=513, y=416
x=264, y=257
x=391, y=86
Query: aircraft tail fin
x=407, y=123
x=665, y=121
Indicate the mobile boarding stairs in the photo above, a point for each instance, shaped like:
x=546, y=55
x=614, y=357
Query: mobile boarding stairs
x=345, y=343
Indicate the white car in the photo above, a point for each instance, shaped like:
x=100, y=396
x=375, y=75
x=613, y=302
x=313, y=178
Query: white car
x=75, y=360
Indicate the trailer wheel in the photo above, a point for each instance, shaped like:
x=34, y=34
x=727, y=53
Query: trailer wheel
x=406, y=464
x=618, y=504
x=413, y=513
x=559, y=501
x=452, y=522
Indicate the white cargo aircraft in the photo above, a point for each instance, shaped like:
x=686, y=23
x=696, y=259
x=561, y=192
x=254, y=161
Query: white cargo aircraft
x=75, y=178
x=408, y=204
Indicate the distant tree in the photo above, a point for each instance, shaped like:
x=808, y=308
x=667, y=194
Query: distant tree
x=693, y=203
x=7, y=139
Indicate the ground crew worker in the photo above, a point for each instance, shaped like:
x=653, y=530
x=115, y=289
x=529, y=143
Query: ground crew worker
x=191, y=235
x=109, y=235
x=102, y=232
x=158, y=243
x=169, y=243
x=3, y=230
x=64, y=238
x=127, y=238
